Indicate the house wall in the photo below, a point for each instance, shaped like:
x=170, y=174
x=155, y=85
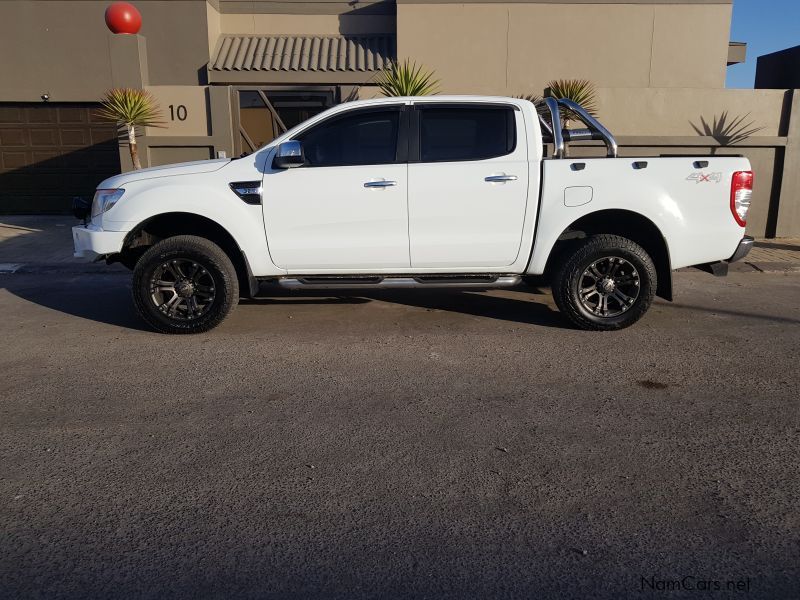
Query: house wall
x=691, y=111
x=289, y=24
x=515, y=48
x=63, y=48
x=214, y=27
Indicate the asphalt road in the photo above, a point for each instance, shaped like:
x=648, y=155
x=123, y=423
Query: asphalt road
x=405, y=445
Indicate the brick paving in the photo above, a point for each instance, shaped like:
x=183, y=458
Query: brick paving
x=781, y=250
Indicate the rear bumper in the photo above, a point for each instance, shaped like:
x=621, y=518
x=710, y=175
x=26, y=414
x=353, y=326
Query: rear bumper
x=742, y=249
x=91, y=242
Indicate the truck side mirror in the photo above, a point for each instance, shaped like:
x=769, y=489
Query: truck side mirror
x=289, y=154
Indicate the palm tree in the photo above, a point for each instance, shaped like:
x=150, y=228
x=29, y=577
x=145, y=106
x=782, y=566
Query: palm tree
x=131, y=108
x=407, y=79
x=581, y=91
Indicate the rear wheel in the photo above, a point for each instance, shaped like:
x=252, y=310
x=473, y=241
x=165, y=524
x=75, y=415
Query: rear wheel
x=184, y=284
x=606, y=283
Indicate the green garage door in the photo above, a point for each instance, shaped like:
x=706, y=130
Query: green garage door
x=50, y=153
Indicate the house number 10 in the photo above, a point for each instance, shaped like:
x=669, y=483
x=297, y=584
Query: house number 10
x=177, y=111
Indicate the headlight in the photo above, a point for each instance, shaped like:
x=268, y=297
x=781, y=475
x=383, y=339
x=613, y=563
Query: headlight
x=104, y=200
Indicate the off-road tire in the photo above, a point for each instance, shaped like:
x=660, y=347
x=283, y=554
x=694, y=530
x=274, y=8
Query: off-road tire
x=201, y=251
x=570, y=273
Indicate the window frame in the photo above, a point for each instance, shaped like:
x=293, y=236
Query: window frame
x=415, y=142
x=401, y=146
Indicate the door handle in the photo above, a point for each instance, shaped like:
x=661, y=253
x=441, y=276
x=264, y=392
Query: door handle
x=500, y=178
x=380, y=184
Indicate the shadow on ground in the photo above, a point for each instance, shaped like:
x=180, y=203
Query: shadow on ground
x=517, y=305
x=39, y=248
x=106, y=298
x=100, y=298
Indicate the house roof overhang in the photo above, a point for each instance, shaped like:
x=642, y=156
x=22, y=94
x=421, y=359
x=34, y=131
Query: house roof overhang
x=301, y=58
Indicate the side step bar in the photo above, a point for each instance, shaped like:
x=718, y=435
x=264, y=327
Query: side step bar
x=333, y=282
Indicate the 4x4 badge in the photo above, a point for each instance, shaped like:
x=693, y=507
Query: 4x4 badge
x=700, y=177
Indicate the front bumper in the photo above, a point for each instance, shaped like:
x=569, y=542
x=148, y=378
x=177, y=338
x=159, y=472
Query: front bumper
x=742, y=249
x=91, y=242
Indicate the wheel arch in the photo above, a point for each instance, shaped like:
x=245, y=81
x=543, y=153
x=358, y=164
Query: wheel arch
x=170, y=224
x=629, y=224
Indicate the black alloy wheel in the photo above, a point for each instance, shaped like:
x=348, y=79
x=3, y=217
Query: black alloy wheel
x=604, y=283
x=184, y=284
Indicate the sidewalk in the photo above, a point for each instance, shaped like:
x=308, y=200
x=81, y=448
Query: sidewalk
x=781, y=254
x=44, y=243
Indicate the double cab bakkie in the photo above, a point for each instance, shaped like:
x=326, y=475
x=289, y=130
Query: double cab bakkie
x=420, y=192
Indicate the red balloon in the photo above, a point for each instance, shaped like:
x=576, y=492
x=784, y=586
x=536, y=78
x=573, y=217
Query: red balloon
x=122, y=17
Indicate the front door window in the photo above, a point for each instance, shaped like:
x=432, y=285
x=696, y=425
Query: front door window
x=367, y=138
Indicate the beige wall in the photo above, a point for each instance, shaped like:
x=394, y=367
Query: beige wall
x=214, y=24
x=188, y=140
x=184, y=111
x=690, y=45
x=673, y=111
x=277, y=24
x=166, y=155
x=515, y=48
x=62, y=47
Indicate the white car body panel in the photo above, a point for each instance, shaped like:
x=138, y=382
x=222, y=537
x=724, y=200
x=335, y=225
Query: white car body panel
x=693, y=215
x=92, y=242
x=439, y=218
x=457, y=219
x=324, y=218
x=188, y=168
x=204, y=194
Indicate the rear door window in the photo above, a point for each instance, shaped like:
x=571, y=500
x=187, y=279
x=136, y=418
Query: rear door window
x=463, y=133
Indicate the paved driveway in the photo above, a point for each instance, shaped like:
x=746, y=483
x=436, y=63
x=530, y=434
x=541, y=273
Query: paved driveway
x=428, y=445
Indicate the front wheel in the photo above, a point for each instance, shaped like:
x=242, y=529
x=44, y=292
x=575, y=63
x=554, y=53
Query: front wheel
x=184, y=284
x=606, y=283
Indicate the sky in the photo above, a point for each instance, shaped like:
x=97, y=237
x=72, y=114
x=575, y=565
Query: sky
x=766, y=26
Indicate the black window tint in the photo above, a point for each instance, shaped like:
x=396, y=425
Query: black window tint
x=467, y=133
x=366, y=138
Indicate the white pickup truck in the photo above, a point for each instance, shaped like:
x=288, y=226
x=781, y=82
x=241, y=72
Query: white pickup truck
x=447, y=191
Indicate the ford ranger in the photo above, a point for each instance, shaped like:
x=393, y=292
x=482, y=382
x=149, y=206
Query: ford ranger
x=443, y=191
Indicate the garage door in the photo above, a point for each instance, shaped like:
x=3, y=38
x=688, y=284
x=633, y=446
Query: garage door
x=50, y=153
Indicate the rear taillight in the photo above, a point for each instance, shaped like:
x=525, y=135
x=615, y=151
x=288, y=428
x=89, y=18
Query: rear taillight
x=741, y=193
